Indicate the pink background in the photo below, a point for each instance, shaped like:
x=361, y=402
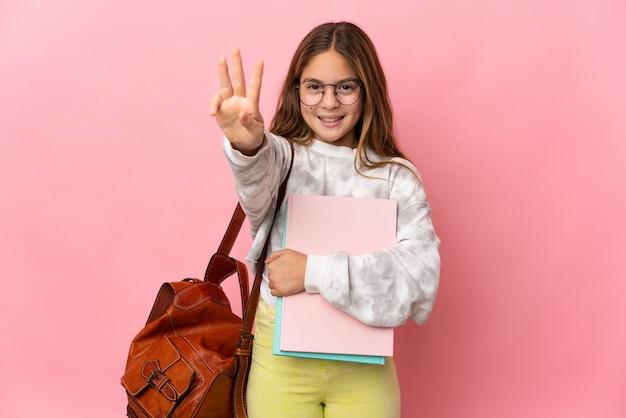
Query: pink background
x=112, y=181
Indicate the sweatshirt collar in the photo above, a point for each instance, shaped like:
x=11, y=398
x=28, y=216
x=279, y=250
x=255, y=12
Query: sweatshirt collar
x=333, y=150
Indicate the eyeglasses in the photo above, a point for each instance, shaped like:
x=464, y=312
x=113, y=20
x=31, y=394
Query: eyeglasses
x=346, y=92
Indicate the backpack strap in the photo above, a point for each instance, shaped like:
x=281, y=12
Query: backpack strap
x=244, y=348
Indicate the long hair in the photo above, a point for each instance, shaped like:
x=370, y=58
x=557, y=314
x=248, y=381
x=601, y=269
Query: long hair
x=375, y=129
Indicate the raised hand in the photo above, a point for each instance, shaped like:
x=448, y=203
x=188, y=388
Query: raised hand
x=237, y=110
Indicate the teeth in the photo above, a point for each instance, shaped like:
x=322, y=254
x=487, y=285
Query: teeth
x=330, y=119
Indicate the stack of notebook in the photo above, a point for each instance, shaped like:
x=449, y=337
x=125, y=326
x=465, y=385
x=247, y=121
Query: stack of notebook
x=306, y=324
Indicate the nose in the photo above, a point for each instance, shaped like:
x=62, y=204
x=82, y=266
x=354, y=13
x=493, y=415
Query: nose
x=329, y=99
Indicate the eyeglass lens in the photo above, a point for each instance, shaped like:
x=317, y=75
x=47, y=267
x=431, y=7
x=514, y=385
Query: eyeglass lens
x=346, y=93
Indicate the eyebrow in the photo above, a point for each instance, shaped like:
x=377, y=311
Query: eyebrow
x=315, y=80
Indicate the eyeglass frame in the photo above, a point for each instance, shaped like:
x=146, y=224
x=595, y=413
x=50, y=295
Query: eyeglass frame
x=323, y=86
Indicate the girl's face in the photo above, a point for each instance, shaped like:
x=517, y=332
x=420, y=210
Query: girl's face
x=330, y=121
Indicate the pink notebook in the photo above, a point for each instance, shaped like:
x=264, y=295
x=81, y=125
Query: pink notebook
x=321, y=225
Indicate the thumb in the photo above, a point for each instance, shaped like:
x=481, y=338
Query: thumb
x=273, y=256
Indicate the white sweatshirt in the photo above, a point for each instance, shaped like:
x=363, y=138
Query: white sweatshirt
x=383, y=288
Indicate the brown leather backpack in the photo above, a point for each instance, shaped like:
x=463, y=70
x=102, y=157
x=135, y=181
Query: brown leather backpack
x=193, y=356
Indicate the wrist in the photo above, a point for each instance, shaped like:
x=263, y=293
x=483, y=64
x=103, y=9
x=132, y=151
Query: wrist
x=249, y=151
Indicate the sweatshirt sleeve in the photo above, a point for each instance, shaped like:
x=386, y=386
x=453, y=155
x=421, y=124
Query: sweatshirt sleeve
x=387, y=287
x=258, y=177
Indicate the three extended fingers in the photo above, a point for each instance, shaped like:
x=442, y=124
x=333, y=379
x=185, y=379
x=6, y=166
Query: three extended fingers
x=233, y=83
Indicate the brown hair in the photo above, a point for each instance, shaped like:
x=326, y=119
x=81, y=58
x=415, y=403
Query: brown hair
x=375, y=128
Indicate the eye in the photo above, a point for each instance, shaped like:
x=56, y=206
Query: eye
x=312, y=87
x=347, y=87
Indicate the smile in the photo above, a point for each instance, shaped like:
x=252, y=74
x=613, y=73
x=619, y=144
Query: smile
x=330, y=119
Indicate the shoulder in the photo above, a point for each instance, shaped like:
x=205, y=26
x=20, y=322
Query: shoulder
x=407, y=181
x=398, y=168
x=277, y=143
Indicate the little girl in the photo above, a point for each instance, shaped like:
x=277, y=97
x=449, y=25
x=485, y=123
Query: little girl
x=334, y=108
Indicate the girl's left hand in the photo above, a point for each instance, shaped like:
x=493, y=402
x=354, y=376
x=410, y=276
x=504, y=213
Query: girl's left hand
x=286, y=272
